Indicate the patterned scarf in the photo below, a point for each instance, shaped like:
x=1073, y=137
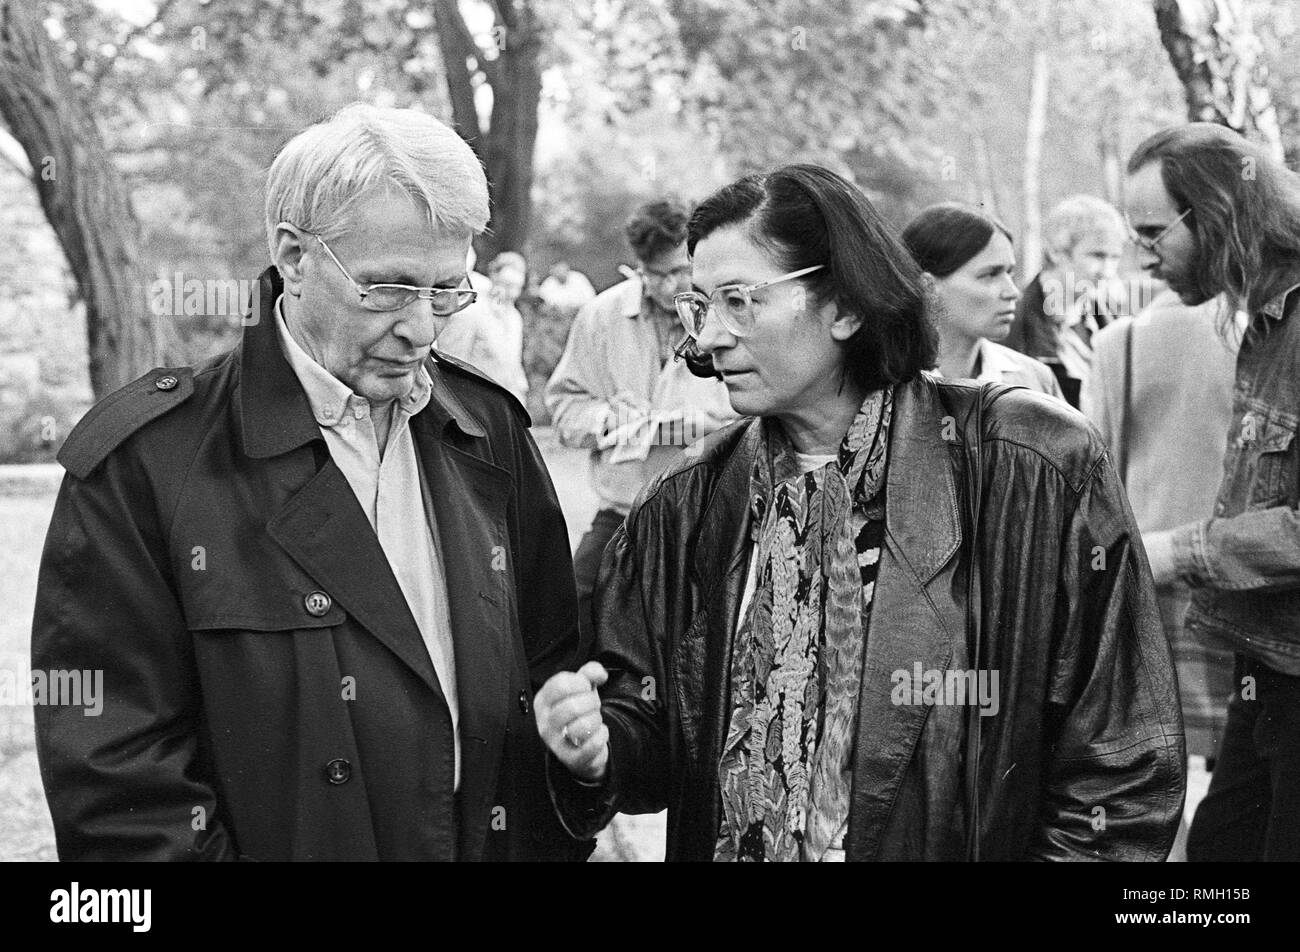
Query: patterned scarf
x=797, y=660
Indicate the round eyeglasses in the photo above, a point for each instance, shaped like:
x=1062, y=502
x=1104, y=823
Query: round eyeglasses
x=731, y=302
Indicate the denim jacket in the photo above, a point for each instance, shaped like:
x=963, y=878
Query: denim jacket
x=1243, y=563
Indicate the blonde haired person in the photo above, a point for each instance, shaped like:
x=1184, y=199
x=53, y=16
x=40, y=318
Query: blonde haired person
x=489, y=334
x=1077, y=292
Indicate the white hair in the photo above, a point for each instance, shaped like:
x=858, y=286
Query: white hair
x=321, y=173
x=1079, y=215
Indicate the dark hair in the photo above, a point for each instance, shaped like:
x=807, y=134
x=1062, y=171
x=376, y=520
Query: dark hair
x=1245, y=209
x=656, y=228
x=805, y=215
x=942, y=238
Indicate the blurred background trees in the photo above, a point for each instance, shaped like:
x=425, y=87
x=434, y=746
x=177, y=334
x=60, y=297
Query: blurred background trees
x=1218, y=59
x=160, y=117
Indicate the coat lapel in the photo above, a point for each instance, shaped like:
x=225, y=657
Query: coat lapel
x=703, y=668
x=470, y=498
x=325, y=531
x=923, y=533
x=914, y=619
x=322, y=526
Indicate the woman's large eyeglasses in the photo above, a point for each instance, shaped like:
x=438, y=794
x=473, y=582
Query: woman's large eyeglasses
x=731, y=302
x=393, y=297
x=1149, y=244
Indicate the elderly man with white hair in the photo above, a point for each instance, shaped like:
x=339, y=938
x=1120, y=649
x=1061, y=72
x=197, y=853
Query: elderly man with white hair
x=323, y=574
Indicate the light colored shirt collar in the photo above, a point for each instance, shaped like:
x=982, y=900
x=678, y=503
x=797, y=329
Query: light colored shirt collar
x=332, y=402
x=987, y=359
x=630, y=296
x=993, y=362
x=635, y=302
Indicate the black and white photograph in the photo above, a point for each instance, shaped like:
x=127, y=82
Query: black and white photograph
x=692, y=431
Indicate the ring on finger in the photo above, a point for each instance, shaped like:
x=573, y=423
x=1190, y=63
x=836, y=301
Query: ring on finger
x=570, y=739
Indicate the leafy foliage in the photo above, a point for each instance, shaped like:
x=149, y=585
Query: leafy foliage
x=917, y=100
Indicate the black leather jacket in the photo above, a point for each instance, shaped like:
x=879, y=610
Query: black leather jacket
x=1084, y=758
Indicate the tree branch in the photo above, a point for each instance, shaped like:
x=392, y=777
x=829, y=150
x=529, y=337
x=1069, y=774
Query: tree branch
x=457, y=46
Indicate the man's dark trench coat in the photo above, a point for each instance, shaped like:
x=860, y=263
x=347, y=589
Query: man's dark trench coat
x=267, y=692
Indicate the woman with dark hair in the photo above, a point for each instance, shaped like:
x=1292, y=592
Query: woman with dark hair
x=786, y=655
x=968, y=259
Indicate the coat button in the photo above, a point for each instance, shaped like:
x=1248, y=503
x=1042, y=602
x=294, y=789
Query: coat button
x=166, y=383
x=317, y=604
x=338, y=771
x=523, y=702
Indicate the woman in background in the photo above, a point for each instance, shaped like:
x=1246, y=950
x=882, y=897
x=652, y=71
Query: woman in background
x=968, y=258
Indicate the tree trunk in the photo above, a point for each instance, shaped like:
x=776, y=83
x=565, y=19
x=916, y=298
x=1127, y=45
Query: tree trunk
x=1031, y=257
x=1109, y=149
x=83, y=198
x=515, y=78
x=986, y=181
x=458, y=49
x=511, y=140
x=1217, y=57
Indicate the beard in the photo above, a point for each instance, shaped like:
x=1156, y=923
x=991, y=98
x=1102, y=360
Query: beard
x=1194, y=297
x=1194, y=282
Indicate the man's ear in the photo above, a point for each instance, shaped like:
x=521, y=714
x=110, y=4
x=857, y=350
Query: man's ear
x=288, y=257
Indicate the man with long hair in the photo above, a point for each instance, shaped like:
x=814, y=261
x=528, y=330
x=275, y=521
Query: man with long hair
x=1212, y=214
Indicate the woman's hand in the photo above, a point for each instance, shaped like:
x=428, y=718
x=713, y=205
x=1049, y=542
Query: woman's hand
x=568, y=718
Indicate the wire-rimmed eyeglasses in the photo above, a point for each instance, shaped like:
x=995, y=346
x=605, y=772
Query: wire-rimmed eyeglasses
x=393, y=297
x=1150, y=244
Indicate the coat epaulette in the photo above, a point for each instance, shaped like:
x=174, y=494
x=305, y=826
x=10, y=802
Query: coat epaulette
x=456, y=364
x=108, y=423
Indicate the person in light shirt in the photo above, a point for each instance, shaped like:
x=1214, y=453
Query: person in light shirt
x=489, y=334
x=565, y=288
x=969, y=260
x=619, y=389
